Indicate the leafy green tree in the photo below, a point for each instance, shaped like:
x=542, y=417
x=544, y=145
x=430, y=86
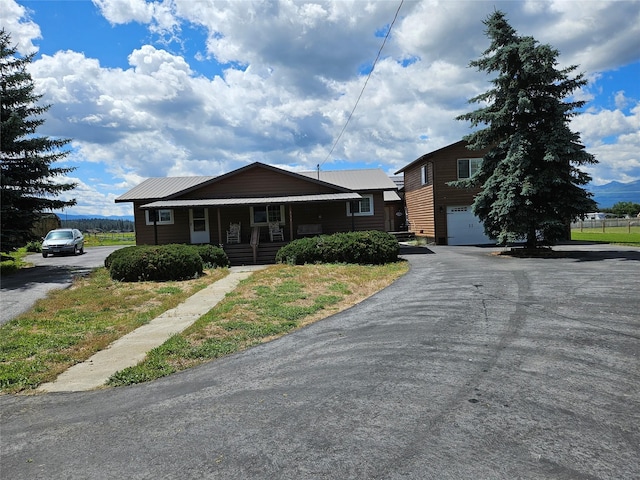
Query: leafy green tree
x=530, y=178
x=28, y=177
x=626, y=208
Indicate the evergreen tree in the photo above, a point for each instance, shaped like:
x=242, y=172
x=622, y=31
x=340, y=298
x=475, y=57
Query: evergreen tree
x=26, y=172
x=530, y=180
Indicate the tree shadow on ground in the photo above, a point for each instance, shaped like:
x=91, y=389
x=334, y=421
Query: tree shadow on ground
x=414, y=250
x=602, y=255
x=54, y=274
x=579, y=255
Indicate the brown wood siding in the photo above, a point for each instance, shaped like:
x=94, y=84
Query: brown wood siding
x=259, y=182
x=178, y=232
x=427, y=204
x=419, y=201
x=333, y=216
x=446, y=170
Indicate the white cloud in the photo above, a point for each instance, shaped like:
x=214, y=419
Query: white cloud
x=293, y=74
x=614, y=138
x=15, y=20
x=125, y=11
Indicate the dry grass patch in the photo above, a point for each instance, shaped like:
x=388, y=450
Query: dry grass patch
x=267, y=305
x=72, y=324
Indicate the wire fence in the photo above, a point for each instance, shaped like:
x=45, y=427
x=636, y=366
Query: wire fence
x=630, y=224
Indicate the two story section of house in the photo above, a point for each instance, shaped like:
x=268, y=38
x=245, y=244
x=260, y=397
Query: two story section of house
x=436, y=211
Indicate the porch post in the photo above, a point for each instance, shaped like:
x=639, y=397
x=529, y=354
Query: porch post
x=291, y=222
x=219, y=227
x=155, y=226
x=353, y=217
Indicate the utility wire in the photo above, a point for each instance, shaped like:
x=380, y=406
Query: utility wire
x=364, y=86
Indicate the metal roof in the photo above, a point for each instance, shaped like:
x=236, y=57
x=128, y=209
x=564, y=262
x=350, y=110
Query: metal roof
x=360, y=180
x=391, y=196
x=158, y=188
x=161, y=187
x=225, y=202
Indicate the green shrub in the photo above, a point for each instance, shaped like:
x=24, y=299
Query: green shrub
x=367, y=248
x=299, y=252
x=34, y=247
x=212, y=257
x=117, y=253
x=154, y=262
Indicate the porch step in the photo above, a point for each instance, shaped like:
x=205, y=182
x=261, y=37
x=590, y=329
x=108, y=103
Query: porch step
x=242, y=253
x=404, y=236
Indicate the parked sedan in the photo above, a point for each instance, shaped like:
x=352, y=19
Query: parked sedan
x=63, y=240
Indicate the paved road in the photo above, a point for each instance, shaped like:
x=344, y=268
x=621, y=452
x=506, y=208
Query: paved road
x=469, y=367
x=21, y=290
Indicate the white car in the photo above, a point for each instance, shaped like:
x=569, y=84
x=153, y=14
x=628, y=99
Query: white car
x=63, y=240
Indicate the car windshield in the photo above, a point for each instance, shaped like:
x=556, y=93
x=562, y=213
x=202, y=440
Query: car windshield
x=59, y=236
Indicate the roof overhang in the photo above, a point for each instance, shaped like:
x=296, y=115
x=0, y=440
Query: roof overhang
x=391, y=196
x=230, y=202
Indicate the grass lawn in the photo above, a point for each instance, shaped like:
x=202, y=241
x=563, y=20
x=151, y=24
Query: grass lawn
x=12, y=262
x=70, y=325
x=617, y=235
x=109, y=239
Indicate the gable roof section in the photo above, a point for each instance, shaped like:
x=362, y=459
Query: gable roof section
x=161, y=187
x=280, y=171
x=429, y=155
x=359, y=180
x=166, y=188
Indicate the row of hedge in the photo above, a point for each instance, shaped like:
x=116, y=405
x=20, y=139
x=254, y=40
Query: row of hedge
x=366, y=248
x=163, y=262
x=179, y=262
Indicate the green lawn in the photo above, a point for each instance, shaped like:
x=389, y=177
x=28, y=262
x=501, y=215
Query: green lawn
x=109, y=239
x=617, y=235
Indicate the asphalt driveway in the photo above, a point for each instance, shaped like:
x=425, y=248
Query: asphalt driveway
x=469, y=367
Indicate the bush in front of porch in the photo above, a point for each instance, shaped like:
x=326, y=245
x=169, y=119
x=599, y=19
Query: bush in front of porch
x=370, y=247
x=163, y=262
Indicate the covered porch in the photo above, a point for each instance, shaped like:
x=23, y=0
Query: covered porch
x=264, y=224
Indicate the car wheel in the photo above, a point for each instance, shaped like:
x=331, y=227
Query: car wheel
x=76, y=250
x=45, y=254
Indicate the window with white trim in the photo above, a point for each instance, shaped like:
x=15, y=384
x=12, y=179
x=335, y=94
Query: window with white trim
x=362, y=207
x=424, y=174
x=163, y=217
x=265, y=214
x=467, y=167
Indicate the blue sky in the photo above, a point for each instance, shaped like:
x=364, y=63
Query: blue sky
x=184, y=87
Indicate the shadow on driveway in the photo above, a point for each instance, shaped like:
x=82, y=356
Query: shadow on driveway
x=411, y=250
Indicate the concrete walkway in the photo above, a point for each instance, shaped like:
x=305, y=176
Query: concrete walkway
x=131, y=349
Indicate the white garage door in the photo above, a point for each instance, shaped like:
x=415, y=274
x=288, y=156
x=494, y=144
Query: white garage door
x=464, y=228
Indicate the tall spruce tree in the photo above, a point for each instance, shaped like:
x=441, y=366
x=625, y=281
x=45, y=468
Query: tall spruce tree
x=530, y=178
x=26, y=171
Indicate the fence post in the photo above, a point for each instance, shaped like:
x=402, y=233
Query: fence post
x=603, y=226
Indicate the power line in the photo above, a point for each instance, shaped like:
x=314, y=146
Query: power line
x=364, y=86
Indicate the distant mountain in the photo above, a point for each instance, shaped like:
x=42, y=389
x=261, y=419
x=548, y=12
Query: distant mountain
x=613, y=192
x=64, y=216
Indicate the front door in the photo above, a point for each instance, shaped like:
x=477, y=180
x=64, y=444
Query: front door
x=199, y=225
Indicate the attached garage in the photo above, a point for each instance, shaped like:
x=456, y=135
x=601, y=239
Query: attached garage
x=464, y=228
